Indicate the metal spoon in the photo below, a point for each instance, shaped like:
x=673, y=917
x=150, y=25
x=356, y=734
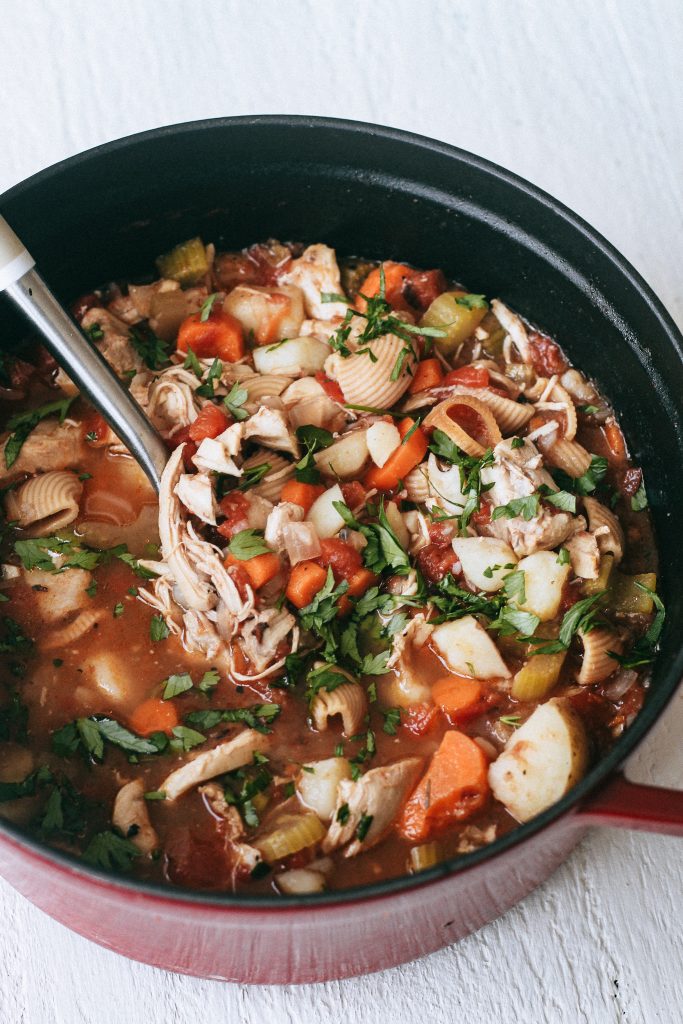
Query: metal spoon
x=83, y=363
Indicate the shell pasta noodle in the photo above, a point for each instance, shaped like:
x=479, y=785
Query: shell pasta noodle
x=397, y=593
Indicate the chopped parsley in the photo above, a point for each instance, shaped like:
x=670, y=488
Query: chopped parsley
x=208, y=387
x=235, y=400
x=175, y=685
x=154, y=352
x=363, y=827
x=248, y=544
x=392, y=719
x=111, y=851
x=259, y=716
x=158, y=630
x=206, y=307
x=312, y=439
x=639, y=499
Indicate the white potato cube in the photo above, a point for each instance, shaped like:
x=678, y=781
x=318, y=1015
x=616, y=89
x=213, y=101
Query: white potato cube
x=317, y=787
x=383, y=440
x=345, y=458
x=544, y=579
x=542, y=760
x=323, y=514
x=486, y=561
x=468, y=649
x=292, y=358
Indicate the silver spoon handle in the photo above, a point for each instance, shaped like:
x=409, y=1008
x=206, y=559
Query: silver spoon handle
x=84, y=364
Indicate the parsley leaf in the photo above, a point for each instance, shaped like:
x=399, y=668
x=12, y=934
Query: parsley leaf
x=363, y=827
x=326, y=677
x=110, y=851
x=158, y=630
x=234, y=402
x=185, y=739
x=175, y=685
x=192, y=363
x=392, y=719
x=639, y=499
x=209, y=681
x=258, y=716
x=579, y=616
x=526, y=507
x=208, y=387
x=313, y=439
x=206, y=307
x=248, y=544
x=153, y=351
x=471, y=301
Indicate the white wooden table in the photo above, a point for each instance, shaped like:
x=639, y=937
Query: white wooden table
x=584, y=99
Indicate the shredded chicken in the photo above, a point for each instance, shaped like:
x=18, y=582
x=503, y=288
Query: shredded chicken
x=584, y=554
x=260, y=638
x=225, y=757
x=50, y=445
x=514, y=327
x=316, y=272
x=518, y=473
x=196, y=493
x=271, y=428
x=280, y=519
x=114, y=343
x=131, y=816
x=378, y=795
x=191, y=590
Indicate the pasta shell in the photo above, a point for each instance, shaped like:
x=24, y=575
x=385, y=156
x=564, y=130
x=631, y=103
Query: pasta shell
x=348, y=700
x=74, y=631
x=367, y=379
x=603, y=523
x=416, y=484
x=510, y=416
x=263, y=385
x=597, y=663
x=569, y=456
x=45, y=503
x=442, y=417
x=270, y=487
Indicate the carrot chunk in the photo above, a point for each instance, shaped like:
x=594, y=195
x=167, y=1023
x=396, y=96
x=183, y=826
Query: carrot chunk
x=428, y=374
x=409, y=454
x=306, y=579
x=301, y=494
x=359, y=582
x=459, y=696
x=154, y=715
x=469, y=377
x=454, y=787
x=219, y=336
x=210, y=422
x=395, y=276
x=260, y=569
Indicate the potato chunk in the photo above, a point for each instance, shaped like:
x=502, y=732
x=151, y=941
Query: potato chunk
x=467, y=649
x=486, y=561
x=544, y=578
x=541, y=761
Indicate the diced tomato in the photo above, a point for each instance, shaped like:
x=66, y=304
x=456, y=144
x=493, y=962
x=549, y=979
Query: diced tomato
x=235, y=508
x=405, y=288
x=482, y=517
x=210, y=422
x=435, y=562
x=190, y=449
x=468, y=377
x=94, y=427
x=546, y=355
x=219, y=336
x=354, y=493
x=330, y=387
x=343, y=559
x=420, y=719
x=441, y=534
x=271, y=260
x=570, y=595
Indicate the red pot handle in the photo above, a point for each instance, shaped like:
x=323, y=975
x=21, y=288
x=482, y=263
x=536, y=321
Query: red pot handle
x=624, y=804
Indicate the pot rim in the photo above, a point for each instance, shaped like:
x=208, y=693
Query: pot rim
x=658, y=697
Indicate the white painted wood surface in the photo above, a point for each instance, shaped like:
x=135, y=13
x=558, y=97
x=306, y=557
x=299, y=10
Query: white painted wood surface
x=584, y=99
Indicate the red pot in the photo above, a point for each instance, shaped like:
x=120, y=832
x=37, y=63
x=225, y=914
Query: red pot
x=387, y=194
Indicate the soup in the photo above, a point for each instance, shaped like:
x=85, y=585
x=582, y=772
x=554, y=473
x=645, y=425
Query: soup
x=396, y=594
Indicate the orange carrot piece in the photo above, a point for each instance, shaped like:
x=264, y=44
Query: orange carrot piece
x=428, y=374
x=154, y=715
x=459, y=696
x=260, y=569
x=210, y=422
x=395, y=276
x=361, y=581
x=220, y=336
x=301, y=494
x=454, y=787
x=408, y=455
x=306, y=579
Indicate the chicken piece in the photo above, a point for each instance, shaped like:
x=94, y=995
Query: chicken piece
x=378, y=795
x=225, y=757
x=199, y=635
x=271, y=428
x=131, y=816
x=518, y=473
x=171, y=403
x=261, y=636
x=279, y=519
x=408, y=686
x=114, y=343
x=196, y=493
x=160, y=597
x=208, y=560
x=190, y=590
x=316, y=272
x=51, y=445
x=584, y=554
x=514, y=327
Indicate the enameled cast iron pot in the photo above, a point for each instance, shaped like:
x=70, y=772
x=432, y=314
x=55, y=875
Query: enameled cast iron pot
x=378, y=193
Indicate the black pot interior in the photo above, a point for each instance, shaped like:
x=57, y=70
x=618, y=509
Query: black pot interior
x=378, y=193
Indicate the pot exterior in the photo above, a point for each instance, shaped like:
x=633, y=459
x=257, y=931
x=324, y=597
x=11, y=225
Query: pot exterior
x=304, y=944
